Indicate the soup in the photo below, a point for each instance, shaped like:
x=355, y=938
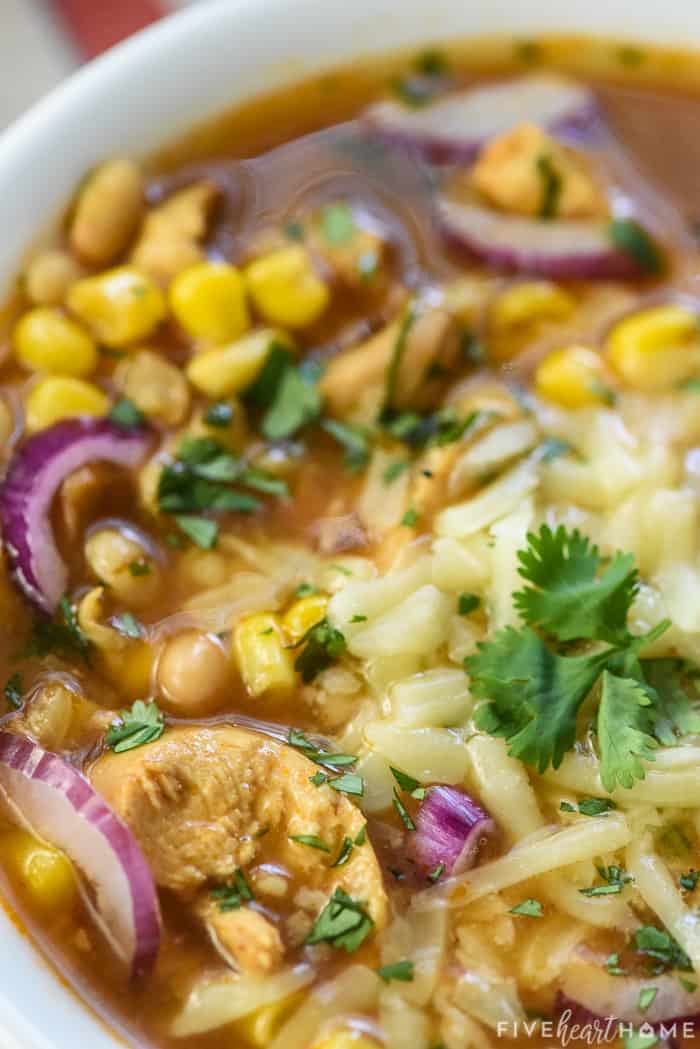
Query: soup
x=351, y=585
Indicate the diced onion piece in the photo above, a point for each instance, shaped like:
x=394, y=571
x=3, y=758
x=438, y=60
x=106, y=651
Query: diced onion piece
x=35, y=473
x=58, y=805
x=455, y=127
x=450, y=828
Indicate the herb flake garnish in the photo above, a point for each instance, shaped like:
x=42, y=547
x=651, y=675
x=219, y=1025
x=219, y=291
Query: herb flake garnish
x=143, y=723
x=323, y=645
x=646, y=997
x=61, y=634
x=140, y=568
x=127, y=624
x=343, y=923
x=203, y=532
x=659, y=946
x=219, y=414
x=311, y=840
x=590, y=806
x=528, y=909
x=551, y=187
x=126, y=414
x=614, y=879
x=232, y=897
x=632, y=238
x=403, y=812
x=354, y=439
x=402, y=971
x=689, y=880
x=13, y=691
x=338, y=223
x=345, y=852
x=467, y=603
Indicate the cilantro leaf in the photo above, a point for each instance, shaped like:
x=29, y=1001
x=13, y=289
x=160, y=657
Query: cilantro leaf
x=128, y=625
x=570, y=600
x=614, y=878
x=343, y=923
x=345, y=852
x=61, y=634
x=295, y=402
x=14, y=691
x=675, y=713
x=338, y=223
x=660, y=946
x=532, y=695
x=397, y=971
x=528, y=909
x=231, y=897
x=625, y=723
x=311, y=840
x=203, y=532
x=143, y=723
x=125, y=414
x=219, y=414
x=323, y=644
x=629, y=236
x=354, y=440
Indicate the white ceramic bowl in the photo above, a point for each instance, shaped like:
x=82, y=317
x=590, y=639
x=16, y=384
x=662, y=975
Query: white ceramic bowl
x=149, y=91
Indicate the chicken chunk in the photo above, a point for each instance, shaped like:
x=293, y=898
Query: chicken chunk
x=207, y=802
x=173, y=232
x=528, y=173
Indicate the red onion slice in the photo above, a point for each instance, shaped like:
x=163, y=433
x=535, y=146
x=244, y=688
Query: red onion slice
x=560, y=250
x=35, y=473
x=450, y=827
x=455, y=128
x=57, y=804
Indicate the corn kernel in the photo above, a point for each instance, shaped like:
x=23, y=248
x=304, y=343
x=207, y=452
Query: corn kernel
x=62, y=397
x=261, y=657
x=209, y=301
x=286, y=289
x=230, y=369
x=42, y=872
x=346, y=1039
x=573, y=377
x=656, y=348
x=302, y=615
x=520, y=308
x=45, y=340
x=119, y=306
x=260, y=1027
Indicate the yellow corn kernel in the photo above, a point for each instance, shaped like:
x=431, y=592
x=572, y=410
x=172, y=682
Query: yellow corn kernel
x=573, y=377
x=261, y=657
x=120, y=306
x=45, y=340
x=230, y=369
x=346, y=1039
x=131, y=669
x=260, y=1027
x=656, y=348
x=286, y=289
x=42, y=872
x=519, y=309
x=62, y=397
x=209, y=301
x=302, y=615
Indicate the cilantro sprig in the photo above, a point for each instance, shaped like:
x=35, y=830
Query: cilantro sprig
x=143, y=723
x=575, y=639
x=343, y=923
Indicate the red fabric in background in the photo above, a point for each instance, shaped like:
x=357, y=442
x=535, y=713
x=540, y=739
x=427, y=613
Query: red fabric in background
x=96, y=25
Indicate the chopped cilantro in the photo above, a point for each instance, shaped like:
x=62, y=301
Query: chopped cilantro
x=361, y=835
x=343, y=923
x=354, y=439
x=688, y=985
x=219, y=414
x=143, y=723
x=403, y=812
x=410, y=517
x=415, y=91
x=675, y=713
x=61, y=634
x=318, y=779
x=297, y=402
x=624, y=731
x=201, y=476
x=345, y=852
x=528, y=51
x=323, y=645
x=139, y=568
x=203, y=532
x=231, y=897
x=614, y=879
x=348, y=783
x=659, y=946
x=294, y=230
x=571, y=598
x=367, y=265
x=305, y=590
x=408, y=784
x=432, y=62
x=528, y=909
x=126, y=414
x=632, y=238
x=399, y=348
x=311, y=840
x=300, y=741
x=394, y=470
x=357, y=618
x=646, y=997
x=436, y=873
x=467, y=603
x=14, y=691
x=554, y=448
x=628, y=55
x=128, y=625
x=551, y=187
x=612, y=965
x=402, y=971
x=689, y=880
x=338, y=223
x=590, y=806
x=424, y=431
